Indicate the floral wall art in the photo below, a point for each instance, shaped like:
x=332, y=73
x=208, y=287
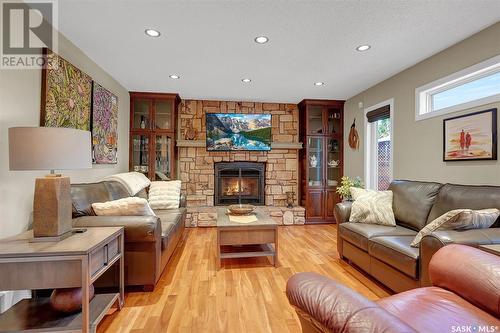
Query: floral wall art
x=104, y=126
x=66, y=95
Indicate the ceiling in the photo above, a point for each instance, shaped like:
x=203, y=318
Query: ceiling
x=210, y=44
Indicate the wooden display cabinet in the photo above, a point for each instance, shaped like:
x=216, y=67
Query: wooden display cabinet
x=321, y=161
x=153, y=126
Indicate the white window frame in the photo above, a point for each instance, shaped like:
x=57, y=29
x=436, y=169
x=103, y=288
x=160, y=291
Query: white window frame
x=371, y=176
x=423, y=94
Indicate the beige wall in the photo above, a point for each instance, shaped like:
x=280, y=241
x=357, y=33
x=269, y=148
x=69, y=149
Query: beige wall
x=20, y=106
x=418, y=144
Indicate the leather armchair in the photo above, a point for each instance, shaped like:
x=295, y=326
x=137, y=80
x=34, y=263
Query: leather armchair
x=432, y=243
x=466, y=293
x=324, y=305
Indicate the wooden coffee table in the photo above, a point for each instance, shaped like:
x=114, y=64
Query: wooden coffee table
x=245, y=240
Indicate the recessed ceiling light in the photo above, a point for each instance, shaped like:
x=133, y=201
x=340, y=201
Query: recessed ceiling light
x=174, y=76
x=246, y=80
x=261, y=39
x=152, y=33
x=318, y=84
x=362, y=48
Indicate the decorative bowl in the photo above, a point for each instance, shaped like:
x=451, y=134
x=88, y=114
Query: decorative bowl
x=241, y=209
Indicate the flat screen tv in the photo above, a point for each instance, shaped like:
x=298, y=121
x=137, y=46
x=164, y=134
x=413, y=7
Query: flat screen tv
x=235, y=131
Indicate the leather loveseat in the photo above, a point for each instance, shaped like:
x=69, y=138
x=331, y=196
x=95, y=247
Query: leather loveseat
x=465, y=297
x=149, y=240
x=385, y=252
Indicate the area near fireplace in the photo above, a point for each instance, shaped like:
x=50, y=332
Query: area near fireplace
x=239, y=182
x=197, y=165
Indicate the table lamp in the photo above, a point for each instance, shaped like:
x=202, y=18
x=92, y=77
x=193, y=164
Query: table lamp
x=50, y=148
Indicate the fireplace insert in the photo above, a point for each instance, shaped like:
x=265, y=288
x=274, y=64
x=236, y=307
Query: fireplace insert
x=239, y=182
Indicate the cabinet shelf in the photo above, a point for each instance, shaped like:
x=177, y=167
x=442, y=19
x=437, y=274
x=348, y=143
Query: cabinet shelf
x=322, y=130
x=157, y=143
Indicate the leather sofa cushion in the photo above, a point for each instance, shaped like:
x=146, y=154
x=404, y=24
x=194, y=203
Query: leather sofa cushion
x=452, y=197
x=396, y=252
x=359, y=233
x=438, y=310
x=412, y=202
x=84, y=195
x=171, y=221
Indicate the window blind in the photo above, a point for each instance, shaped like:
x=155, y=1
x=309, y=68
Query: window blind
x=383, y=112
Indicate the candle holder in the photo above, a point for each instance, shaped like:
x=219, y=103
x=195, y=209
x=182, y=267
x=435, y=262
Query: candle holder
x=289, y=199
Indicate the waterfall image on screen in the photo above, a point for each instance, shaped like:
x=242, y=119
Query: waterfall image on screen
x=231, y=131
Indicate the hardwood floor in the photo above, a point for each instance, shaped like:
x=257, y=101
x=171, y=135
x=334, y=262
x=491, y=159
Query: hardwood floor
x=246, y=295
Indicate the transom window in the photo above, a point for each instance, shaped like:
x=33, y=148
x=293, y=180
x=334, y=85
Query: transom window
x=473, y=86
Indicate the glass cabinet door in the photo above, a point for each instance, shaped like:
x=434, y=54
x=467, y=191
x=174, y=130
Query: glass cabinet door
x=141, y=114
x=333, y=162
x=315, y=163
x=163, y=157
x=315, y=120
x=163, y=114
x=334, y=121
x=140, y=153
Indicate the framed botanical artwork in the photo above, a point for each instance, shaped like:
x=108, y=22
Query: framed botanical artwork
x=66, y=94
x=470, y=137
x=104, y=125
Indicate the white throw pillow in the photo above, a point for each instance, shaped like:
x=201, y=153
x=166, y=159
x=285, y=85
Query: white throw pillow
x=165, y=194
x=371, y=206
x=131, y=206
x=459, y=219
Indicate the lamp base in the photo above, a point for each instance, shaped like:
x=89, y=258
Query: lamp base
x=52, y=207
x=52, y=238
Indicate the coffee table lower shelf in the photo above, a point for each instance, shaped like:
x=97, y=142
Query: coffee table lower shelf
x=37, y=315
x=247, y=251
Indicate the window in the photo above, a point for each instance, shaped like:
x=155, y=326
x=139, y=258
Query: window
x=473, y=86
x=379, y=145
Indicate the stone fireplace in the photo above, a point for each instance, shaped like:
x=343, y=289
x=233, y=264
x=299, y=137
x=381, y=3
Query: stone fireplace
x=239, y=182
x=197, y=166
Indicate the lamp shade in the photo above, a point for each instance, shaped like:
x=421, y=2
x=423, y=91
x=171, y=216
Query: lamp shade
x=49, y=148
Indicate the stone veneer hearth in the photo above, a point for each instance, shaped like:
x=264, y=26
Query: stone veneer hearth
x=196, y=164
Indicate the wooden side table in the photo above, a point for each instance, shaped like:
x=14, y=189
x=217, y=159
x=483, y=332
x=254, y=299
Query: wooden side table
x=76, y=261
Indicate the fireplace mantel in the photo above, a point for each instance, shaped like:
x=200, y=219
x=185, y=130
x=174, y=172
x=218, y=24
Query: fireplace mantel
x=274, y=144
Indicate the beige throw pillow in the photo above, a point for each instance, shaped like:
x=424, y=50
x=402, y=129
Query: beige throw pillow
x=459, y=219
x=131, y=206
x=165, y=194
x=371, y=206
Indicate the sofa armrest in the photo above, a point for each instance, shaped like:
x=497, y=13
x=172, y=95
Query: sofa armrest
x=471, y=273
x=137, y=228
x=430, y=244
x=332, y=307
x=343, y=211
x=183, y=200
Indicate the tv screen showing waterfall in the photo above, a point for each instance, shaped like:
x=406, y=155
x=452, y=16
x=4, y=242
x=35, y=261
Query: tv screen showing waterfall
x=235, y=131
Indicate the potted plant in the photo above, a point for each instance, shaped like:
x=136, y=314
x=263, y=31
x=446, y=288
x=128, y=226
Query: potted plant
x=344, y=190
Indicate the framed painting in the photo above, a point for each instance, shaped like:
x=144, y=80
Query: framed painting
x=104, y=125
x=470, y=137
x=66, y=94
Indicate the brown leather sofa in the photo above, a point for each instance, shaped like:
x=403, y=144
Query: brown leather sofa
x=149, y=240
x=465, y=297
x=385, y=252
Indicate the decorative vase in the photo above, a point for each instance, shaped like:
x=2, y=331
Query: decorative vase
x=69, y=300
x=289, y=199
x=313, y=162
